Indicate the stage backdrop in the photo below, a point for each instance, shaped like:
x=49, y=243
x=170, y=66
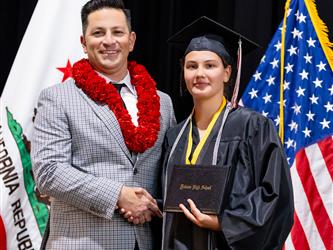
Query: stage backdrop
x=154, y=21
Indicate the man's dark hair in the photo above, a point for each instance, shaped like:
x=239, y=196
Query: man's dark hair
x=94, y=5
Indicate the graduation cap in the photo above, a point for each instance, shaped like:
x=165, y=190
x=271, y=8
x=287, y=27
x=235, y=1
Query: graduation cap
x=207, y=34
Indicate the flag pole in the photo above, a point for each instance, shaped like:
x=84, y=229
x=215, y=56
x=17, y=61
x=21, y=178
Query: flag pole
x=283, y=35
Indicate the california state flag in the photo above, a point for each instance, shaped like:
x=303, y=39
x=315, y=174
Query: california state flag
x=50, y=46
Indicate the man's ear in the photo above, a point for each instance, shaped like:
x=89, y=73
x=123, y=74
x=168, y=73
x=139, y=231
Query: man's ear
x=132, y=39
x=83, y=43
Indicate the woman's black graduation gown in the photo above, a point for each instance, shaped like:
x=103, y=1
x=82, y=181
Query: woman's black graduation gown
x=259, y=210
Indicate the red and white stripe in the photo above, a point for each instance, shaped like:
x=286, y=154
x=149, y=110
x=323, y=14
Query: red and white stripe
x=312, y=178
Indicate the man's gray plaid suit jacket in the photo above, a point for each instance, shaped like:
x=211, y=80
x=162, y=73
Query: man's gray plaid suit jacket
x=80, y=159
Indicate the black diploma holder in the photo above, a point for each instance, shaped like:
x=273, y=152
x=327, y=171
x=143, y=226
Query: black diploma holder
x=204, y=184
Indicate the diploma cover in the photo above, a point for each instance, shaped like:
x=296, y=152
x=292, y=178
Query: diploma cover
x=204, y=184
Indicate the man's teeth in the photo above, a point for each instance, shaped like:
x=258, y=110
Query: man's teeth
x=110, y=52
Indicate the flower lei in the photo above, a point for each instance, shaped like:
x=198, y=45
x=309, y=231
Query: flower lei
x=137, y=138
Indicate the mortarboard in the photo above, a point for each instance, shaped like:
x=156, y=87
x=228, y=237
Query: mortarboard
x=207, y=34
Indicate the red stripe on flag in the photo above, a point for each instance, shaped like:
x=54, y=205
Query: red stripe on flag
x=326, y=148
x=318, y=210
x=3, y=240
x=298, y=236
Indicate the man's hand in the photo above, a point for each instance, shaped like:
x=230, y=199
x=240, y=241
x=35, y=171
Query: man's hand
x=137, y=205
x=42, y=197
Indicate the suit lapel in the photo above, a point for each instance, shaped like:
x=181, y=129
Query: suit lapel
x=110, y=121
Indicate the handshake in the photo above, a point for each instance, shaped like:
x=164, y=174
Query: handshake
x=137, y=206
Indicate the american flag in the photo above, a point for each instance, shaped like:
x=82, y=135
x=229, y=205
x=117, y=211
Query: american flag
x=306, y=120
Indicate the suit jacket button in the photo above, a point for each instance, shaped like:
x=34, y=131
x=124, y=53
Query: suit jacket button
x=135, y=171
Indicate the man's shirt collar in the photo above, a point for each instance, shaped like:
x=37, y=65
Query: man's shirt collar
x=126, y=80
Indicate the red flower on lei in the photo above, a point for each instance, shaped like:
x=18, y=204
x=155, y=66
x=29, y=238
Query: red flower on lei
x=137, y=138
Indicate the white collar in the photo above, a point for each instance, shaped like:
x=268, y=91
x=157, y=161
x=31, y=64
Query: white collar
x=126, y=80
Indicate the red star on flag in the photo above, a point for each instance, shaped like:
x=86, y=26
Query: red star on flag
x=66, y=70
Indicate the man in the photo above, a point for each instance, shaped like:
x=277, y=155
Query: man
x=96, y=151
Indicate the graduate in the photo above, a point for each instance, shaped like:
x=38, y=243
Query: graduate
x=258, y=209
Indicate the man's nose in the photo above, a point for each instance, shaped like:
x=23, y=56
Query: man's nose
x=108, y=38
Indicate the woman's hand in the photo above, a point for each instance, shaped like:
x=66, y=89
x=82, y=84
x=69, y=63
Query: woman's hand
x=201, y=220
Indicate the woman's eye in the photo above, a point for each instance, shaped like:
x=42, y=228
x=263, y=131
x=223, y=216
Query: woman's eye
x=191, y=66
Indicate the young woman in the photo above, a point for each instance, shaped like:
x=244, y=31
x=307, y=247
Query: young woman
x=258, y=213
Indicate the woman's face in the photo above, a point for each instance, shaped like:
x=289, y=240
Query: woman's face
x=205, y=74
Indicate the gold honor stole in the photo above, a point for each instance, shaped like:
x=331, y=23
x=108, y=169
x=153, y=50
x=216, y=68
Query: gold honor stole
x=204, y=139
